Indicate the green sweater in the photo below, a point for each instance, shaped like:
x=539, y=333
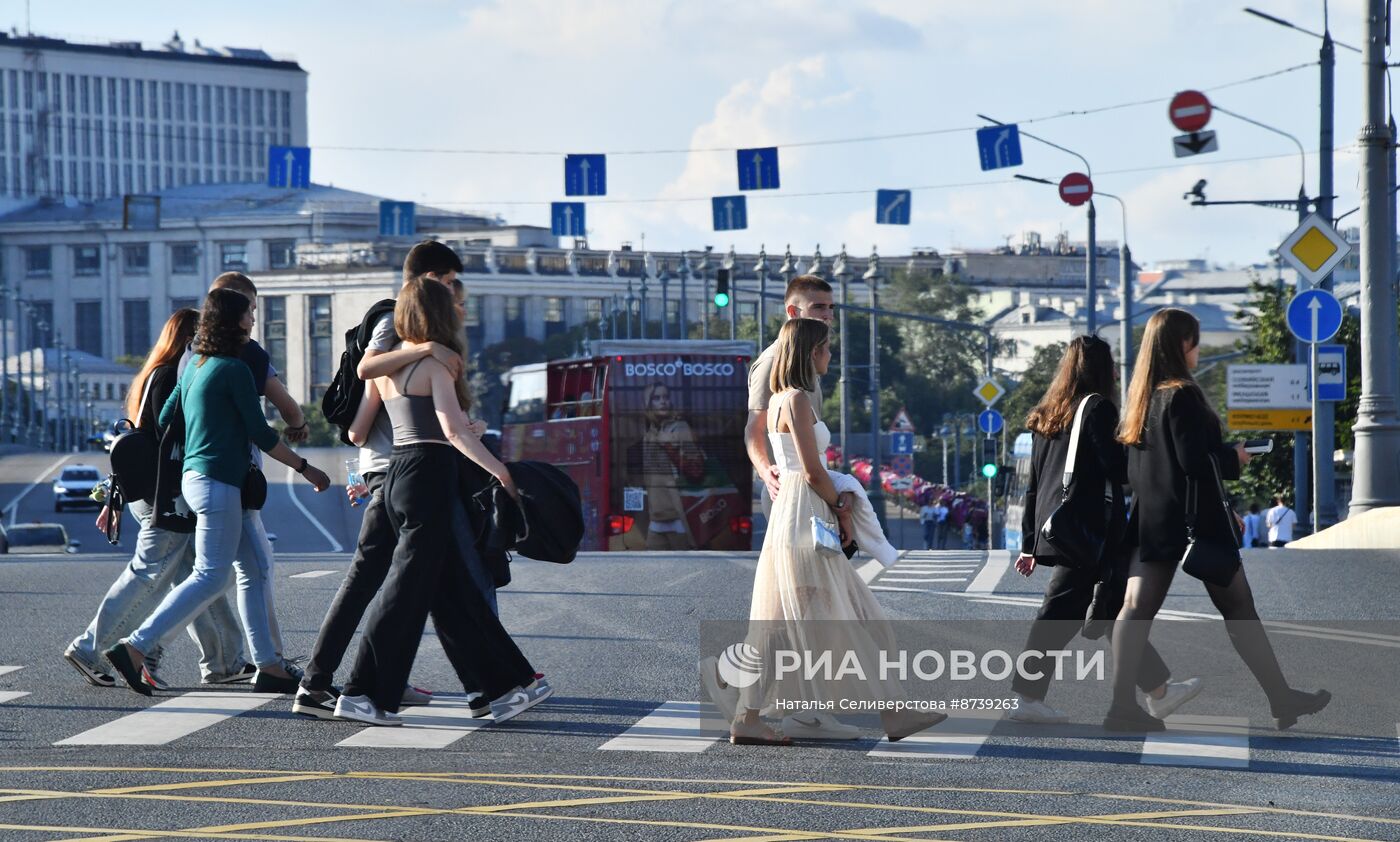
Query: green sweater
x=222, y=415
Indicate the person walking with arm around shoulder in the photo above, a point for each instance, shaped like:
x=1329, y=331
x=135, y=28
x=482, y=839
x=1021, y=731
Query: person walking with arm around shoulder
x=219, y=403
x=1176, y=453
x=1082, y=384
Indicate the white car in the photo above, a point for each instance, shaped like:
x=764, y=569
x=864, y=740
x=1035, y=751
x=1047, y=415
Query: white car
x=30, y=538
x=73, y=485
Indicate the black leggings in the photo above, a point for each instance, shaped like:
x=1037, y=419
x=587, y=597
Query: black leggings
x=1148, y=583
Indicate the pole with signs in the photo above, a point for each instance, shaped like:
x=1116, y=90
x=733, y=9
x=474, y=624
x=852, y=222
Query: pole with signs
x=1314, y=316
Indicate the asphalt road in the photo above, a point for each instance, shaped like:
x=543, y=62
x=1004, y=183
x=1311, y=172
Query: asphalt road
x=624, y=750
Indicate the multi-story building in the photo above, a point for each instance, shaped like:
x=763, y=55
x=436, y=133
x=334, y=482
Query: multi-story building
x=92, y=121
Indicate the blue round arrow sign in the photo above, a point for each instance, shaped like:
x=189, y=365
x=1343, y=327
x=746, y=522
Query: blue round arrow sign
x=990, y=422
x=1314, y=315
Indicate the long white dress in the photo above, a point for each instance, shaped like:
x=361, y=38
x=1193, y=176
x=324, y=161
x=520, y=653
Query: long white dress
x=811, y=600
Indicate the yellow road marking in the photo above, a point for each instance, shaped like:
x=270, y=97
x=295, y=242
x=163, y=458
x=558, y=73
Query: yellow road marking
x=278, y=779
x=1285, y=811
x=165, y=834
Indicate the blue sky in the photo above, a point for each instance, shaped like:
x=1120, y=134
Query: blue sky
x=614, y=75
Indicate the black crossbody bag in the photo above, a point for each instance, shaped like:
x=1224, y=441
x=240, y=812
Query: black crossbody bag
x=1210, y=561
x=1080, y=543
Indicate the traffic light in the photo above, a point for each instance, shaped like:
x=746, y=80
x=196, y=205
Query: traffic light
x=989, y=457
x=722, y=288
x=1003, y=479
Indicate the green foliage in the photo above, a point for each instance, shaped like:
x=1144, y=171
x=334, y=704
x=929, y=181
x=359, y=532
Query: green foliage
x=322, y=434
x=1034, y=383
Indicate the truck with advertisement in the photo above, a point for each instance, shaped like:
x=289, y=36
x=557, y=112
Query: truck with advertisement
x=653, y=433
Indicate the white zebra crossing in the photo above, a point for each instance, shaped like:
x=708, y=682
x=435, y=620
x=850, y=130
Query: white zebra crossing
x=438, y=725
x=959, y=737
x=680, y=727
x=11, y=695
x=170, y=720
x=8, y=670
x=1221, y=741
x=312, y=574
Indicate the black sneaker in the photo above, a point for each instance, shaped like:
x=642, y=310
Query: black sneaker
x=318, y=704
x=118, y=657
x=95, y=677
x=480, y=705
x=1132, y=720
x=266, y=683
x=242, y=676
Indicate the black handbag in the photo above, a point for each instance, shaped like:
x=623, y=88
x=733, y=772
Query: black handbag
x=133, y=455
x=254, y=493
x=1079, y=541
x=1213, y=562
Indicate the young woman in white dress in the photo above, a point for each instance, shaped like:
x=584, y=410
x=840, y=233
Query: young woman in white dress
x=805, y=596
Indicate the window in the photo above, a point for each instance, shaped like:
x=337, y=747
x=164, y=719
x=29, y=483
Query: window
x=593, y=308
x=38, y=261
x=136, y=327
x=318, y=316
x=184, y=258
x=673, y=317
x=281, y=254
x=528, y=390
x=87, y=260
x=515, y=316
x=233, y=257
x=553, y=316
x=274, y=330
x=136, y=259
x=87, y=327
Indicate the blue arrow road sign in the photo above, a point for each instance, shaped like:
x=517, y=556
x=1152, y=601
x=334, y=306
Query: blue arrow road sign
x=901, y=443
x=566, y=219
x=289, y=166
x=1314, y=315
x=1331, y=372
x=999, y=146
x=758, y=168
x=731, y=213
x=990, y=421
x=585, y=175
x=892, y=207
x=396, y=219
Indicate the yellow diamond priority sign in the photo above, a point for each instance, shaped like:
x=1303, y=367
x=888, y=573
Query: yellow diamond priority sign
x=1314, y=249
x=989, y=391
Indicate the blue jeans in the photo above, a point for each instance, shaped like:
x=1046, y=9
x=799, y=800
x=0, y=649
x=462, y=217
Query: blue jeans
x=217, y=539
x=163, y=559
x=255, y=550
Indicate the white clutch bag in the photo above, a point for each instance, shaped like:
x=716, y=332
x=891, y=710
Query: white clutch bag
x=825, y=536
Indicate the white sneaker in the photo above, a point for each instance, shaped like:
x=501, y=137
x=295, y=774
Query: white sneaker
x=363, y=709
x=1178, y=693
x=1036, y=712
x=818, y=726
x=520, y=700
x=725, y=698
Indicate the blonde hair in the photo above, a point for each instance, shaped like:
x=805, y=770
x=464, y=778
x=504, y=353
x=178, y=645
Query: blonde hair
x=792, y=365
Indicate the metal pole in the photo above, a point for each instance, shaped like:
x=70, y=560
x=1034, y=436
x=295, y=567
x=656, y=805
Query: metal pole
x=1376, y=481
x=665, y=278
x=706, y=304
x=731, y=260
x=628, y=300
x=943, y=439
x=5, y=407
x=642, y=312
x=762, y=269
x=685, y=276
x=1125, y=295
x=957, y=453
x=1324, y=413
x=1301, y=464
x=843, y=277
x=1091, y=300
x=877, y=494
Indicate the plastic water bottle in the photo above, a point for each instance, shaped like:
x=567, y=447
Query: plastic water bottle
x=356, y=482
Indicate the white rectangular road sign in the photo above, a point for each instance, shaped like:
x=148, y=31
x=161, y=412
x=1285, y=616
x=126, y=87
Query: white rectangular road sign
x=1267, y=387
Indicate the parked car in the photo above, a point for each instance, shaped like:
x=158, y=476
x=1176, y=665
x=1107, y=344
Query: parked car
x=73, y=485
x=37, y=538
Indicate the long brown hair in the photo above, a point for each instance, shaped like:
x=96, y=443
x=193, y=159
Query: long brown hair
x=1085, y=369
x=174, y=339
x=425, y=312
x=792, y=366
x=220, y=332
x=1161, y=364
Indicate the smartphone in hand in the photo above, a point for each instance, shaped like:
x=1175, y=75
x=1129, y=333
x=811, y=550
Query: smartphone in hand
x=1258, y=446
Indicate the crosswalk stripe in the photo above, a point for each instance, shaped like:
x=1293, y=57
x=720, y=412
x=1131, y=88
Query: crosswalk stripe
x=170, y=720
x=682, y=727
x=998, y=561
x=438, y=725
x=922, y=581
x=8, y=670
x=930, y=571
x=1221, y=741
x=959, y=737
x=11, y=695
x=901, y=590
x=312, y=574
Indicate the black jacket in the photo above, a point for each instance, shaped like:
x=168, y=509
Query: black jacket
x=1182, y=434
x=1100, y=458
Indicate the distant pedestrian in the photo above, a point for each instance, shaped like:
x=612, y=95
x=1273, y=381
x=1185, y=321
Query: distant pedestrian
x=928, y=519
x=1252, y=523
x=1176, y=458
x=1280, y=521
x=940, y=512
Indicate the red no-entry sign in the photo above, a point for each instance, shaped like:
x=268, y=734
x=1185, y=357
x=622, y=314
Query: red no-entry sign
x=1076, y=189
x=1190, y=111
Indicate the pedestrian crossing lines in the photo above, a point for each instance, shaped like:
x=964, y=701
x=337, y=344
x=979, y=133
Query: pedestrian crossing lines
x=934, y=570
x=959, y=737
x=1221, y=741
x=438, y=725
x=8, y=670
x=170, y=720
x=10, y=695
x=687, y=727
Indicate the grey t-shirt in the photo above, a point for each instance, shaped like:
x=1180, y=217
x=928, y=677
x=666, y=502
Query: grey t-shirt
x=379, y=444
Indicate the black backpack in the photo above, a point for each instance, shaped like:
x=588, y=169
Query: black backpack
x=342, y=399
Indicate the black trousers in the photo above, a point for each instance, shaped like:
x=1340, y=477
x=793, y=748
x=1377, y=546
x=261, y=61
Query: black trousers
x=1067, y=597
x=428, y=573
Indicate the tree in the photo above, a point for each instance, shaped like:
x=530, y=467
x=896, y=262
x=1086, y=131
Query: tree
x=1032, y=387
x=320, y=432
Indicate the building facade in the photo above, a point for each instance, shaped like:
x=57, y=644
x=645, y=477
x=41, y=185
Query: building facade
x=92, y=121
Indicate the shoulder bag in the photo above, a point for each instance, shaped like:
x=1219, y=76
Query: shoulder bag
x=133, y=455
x=1079, y=541
x=1214, y=562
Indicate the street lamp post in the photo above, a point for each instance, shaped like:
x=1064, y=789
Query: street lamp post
x=730, y=261
x=842, y=271
x=1125, y=294
x=642, y=307
x=41, y=419
x=685, y=276
x=630, y=300
x=761, y=269
x=877, y=495
x=705, y=303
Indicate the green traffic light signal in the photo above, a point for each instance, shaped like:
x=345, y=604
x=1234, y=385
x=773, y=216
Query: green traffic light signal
x=721, y=299
x=989, y=470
